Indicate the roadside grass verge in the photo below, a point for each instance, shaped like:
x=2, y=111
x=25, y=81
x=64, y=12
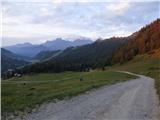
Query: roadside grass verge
x=20, y=96
x=147, y=64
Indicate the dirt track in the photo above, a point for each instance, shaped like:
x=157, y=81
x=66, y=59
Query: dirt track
x=131, y=100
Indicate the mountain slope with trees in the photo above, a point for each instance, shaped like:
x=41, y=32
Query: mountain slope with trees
x=97, y=54
x=44, y=55
x=143, y=41
x=10, y=60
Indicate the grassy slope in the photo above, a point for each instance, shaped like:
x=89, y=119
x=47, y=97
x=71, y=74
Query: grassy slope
x=147, y=64
x=17, y=96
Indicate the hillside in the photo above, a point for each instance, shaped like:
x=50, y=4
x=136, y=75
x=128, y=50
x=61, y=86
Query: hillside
x=97, y=54
x=143, y=41
x=146, y=64
x=10, y=60
x=142, y=53
x=44, y=55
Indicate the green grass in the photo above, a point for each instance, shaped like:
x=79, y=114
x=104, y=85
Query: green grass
x=17, y=96
x=45, y=77
x=147, y=64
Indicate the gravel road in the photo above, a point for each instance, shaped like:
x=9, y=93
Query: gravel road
x=131, y=100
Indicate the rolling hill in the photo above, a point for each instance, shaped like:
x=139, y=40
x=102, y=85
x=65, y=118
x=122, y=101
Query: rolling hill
x=10, y=60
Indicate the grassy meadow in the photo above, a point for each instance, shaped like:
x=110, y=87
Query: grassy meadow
x=26, y=92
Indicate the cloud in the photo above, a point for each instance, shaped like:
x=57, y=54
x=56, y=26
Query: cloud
x=46, y=12
x=118, y=8
x=60, y=1
x=44, y=20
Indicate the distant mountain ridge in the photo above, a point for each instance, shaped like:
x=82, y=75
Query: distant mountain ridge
x=97, y=54
x=30, y=50
x=10, y=60
x=61, y=44
x=26, y=50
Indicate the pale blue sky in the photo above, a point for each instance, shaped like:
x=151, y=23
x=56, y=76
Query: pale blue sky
x=36, y=21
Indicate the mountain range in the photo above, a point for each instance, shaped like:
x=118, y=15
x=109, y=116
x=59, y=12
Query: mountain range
x=93, y=55
x=102, y=52
x=30, y=50
x=96, y=54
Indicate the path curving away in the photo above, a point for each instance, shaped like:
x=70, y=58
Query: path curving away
x=131, y=100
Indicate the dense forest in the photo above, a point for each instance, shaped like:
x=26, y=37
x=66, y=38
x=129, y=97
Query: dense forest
x=147, y=39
